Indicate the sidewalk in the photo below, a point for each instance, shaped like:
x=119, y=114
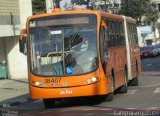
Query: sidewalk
x=13, y=92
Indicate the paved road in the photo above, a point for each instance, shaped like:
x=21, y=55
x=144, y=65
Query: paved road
x=140, y=100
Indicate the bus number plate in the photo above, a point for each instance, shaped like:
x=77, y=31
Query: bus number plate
x=53, y=80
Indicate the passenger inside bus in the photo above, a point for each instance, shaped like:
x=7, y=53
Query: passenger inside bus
x=84, y=46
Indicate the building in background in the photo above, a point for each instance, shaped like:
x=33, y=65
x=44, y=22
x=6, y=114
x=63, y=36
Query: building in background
x=13, y=15
x=112, y=6
x=146, y=34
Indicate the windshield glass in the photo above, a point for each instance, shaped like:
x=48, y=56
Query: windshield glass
x=63, y=51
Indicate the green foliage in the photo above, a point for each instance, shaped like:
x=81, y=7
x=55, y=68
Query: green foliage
x=134, y=8
x=158, y=25
x=39, y=6
x=152, y=14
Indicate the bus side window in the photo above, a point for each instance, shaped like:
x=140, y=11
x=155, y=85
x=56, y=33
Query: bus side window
x=102, y=44
x=107, y=34
x=103, y=49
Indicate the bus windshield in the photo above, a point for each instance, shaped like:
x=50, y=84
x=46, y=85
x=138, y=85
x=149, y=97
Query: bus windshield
x=63, y=51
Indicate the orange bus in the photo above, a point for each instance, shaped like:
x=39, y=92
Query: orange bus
x=80, y=53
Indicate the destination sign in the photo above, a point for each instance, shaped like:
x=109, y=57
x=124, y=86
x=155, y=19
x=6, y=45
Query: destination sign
x=56, y=22
x=62, y=20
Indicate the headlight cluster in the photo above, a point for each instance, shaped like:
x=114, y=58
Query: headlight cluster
x=40, y=84
x=92, y=80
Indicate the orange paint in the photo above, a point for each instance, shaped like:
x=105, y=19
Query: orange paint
x=76, y=86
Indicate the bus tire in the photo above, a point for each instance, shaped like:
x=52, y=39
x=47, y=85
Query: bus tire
x=134, y=81
x=124, y=88
x=48, y=103
x=110, y=96
x=98, y=99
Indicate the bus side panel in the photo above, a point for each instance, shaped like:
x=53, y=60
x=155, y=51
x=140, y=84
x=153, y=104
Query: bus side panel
x=135, y=60
x=138, y=58
x=116, y=62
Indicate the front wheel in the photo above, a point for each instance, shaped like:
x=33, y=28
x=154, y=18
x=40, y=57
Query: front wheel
x=110, y=96
x=49, y=103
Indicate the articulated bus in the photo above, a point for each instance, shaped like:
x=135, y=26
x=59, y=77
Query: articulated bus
x=80, y=53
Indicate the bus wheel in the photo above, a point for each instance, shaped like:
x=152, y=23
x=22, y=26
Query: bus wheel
x=134, y=81
x=110, y=96
x=49, y=103
x=124, y=88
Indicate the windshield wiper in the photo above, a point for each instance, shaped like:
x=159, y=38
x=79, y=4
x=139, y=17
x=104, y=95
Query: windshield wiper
x=75, y=34
x=46, y=30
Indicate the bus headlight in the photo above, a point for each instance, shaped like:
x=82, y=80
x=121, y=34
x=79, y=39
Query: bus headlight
x=92, y=80
x=39, y=83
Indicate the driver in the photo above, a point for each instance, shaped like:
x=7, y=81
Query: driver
x=84, y=46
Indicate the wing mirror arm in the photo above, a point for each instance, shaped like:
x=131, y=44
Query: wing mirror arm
x=23, y=41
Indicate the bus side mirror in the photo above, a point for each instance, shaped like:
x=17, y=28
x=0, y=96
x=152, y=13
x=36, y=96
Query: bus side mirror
x=103, y=24
x=23, y=42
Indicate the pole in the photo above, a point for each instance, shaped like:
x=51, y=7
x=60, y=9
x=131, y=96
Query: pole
x=49, y=5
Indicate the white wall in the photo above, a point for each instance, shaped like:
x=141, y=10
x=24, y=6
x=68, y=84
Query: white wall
x=25, y=11
x=16, y=62
x=9, y=30
x=2, y=51
x=9, y=18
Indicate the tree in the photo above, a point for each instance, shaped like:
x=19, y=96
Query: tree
x=158, y=27
x=152, y=15
x=38, y=6
x=134, y=8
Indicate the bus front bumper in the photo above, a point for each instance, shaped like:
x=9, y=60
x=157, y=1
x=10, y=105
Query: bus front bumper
x=87, y=90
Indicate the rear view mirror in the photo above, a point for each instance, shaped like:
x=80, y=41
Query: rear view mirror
x=103, y=24
x=23, y=42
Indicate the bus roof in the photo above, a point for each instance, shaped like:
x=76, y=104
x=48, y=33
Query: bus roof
x=58, y=11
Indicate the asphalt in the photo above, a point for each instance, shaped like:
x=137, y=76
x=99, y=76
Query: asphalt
x=13, y=92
